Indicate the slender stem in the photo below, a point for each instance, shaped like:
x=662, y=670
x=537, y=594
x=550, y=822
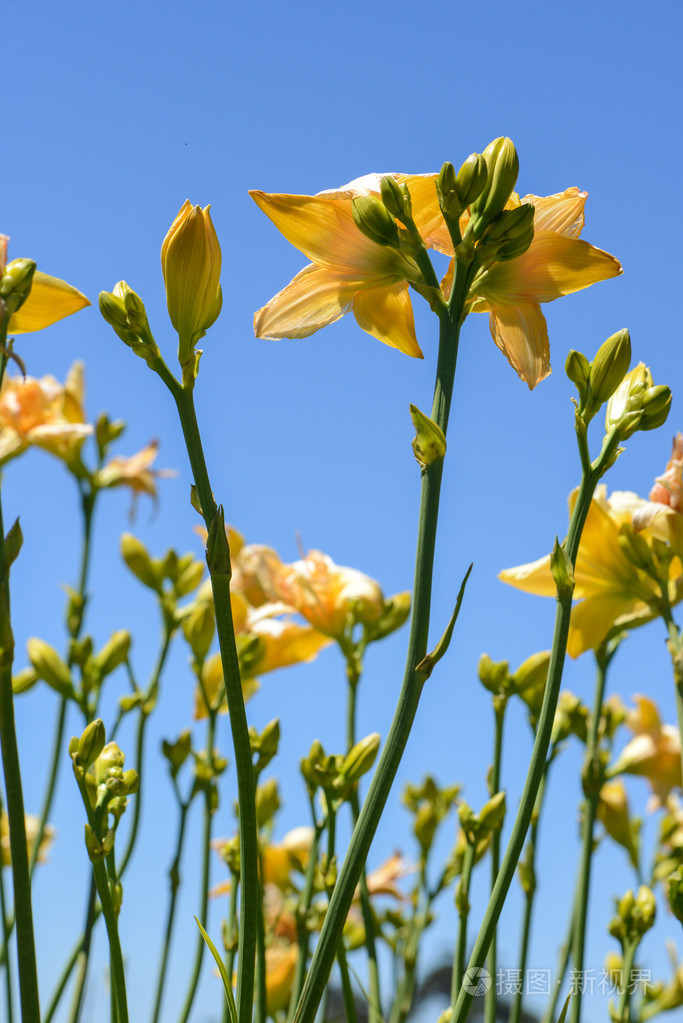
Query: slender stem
x=403, y=1000
x=231, y=942
x=6, y=930
x=26, y=952
x=587, y=487
x=550, y=1014
x=205, y=876
x=220, y=582
x=82, y=958
x=463, y=902
x=261, y=999
x=593, y=776
x=624, y=1011
x=347, y=991
x=499, y=705
x=174, y=884
x=413, y=680
x=302, y=909
x=118, y=976
x=675, y=646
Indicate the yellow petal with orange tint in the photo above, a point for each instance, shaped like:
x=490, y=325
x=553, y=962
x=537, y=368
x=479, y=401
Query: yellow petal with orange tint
x=552, y=266
x=521, y=333
x=50, y=300
x=535, y=577
x=593, y=618
x=387, y=314
x=562, y=213
x=316, y=297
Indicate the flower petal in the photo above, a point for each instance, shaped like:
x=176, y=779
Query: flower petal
x=561, y=213
x=316, y=297
x=322, y=227
x=49, y=300
x=593, y=618
x=552, y=266
x=387, y=314
x=535, y=577
x=521, y=333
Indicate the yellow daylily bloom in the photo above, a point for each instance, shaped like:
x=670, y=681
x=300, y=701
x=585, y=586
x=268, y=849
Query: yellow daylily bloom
x=556, y=263
x=50, y=300
x=348, y=271
x=43, y=413
x=654, y=752
x=279, y=859
x=612, y=591
x=134, y=471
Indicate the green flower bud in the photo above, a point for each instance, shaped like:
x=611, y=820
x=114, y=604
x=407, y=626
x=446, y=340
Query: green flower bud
x=637, y=404
x=502, y=166
x=93, y=845
x=91, y=743
x=361, y=757
x=15, y=283
x=450, y=202
x=429, y=444
x=137, y=558
x=425, y=825
x=24, y=680
x=471, y=179
x=372, y=218
x=50, y=667
x=114, y=312
x=577, y=368
x=645, y=909
x=267, y=801
x=493, y=675
x=656, y=407
x=609, y=367
x=492, y=813
x=113, y=653
x=395, y=613
x=177, y=752
x=396, y=199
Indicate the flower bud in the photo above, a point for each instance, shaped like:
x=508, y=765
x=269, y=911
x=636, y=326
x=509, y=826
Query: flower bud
x=91, y=743
x=49, y=666
x=191, y=265
x=656, y=407
x=502, y=166
x=610, y=366
x=635, y=547
x=396, y=199
x=637, y=404
x=471, y=179
x=577, y=368
x=429, y=444
x=450, y=202
x=373, y=219
x=361, y=757
x=15, y=283
x=674, y=891
x=493, y=675
x=137, y=558
x=113, y=653
x=493, y=813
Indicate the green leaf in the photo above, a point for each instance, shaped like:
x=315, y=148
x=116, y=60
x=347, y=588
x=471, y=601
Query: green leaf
x=227, y=983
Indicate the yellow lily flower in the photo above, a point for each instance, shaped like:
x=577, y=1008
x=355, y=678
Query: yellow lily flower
x=654, y=752
x=612, y=591
x=348, y=271
x=279, y=859
x=49, y=300
x=43, y=413
x=556, y=263
x=134, y=471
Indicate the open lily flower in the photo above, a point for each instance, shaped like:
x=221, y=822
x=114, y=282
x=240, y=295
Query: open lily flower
x=654, y=752
x=612, y=591
x=134, y=471
x=348, y=271
x=662, y=514
x=556, y=263
x=43, y=413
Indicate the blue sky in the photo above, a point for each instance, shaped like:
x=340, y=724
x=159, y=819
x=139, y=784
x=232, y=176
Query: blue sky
x=113, y=115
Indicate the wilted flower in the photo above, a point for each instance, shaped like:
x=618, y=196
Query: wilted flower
x=43, y=413
x=348, y=271
x=612, y=591
x=191, y=265
x=32, y=825
x=654, y=752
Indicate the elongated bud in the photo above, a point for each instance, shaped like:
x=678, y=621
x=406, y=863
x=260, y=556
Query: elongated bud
x=15, y=283
x=656, y=407
x=502, y=166
x=510, y=235
x=429, y=444
x=361, y=757
x=125, y=313
x=610, y=365
x=113, y=653
x=372, y=218
x=493, y=675
x=91, y=743
x=471, y=179
x=137, y=558
x=449, y=201
x=493, y=813
x=577, y=368
x=396, y=199
x=50, y=666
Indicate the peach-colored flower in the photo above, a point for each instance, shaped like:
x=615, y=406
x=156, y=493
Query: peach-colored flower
x=348, y=271
x=654, y=752
x=662, y=514
x=382, y=880
x=134, y=471
x=611, y=590
x=43, y=413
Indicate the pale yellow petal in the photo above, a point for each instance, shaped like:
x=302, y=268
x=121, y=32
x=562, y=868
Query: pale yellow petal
x=322, y=227
x=521, y=333
x=552, y=266
x=561, y=213
x=287, y=643
x=535, y=577
x=593, y=618
x=49, y=300
x=315, y=298
x=387, y=314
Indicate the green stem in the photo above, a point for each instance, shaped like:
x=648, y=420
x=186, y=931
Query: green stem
x=413, y=681
x=302, y=909
x=593, y=776
x=675, y=646
x=233, y=927
x=6, y=931
x=26, y=952
x=347, y=991
x=463, y=900
x=550, y=1014
x=587, y=487
x=499, y=705
x=403, y=1000
x=624, y=1012
x=82, y=958
x=118, y=976
x=220, y=582
x=174, y=884
x=205, y=877
x=261, y=999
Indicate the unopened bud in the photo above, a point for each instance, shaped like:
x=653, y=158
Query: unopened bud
x=137, y=558
x=610, y=366
x=113, y=653
x=635, y=547
x=429, y=444
x=50, y=666
x=493, y=675
x=361, y=757
x=637, y=404
x=502, y=166
x=674, y=891
x=396, y=199
x=577, y=368
x=471, y=179
x=372, y=218
x=15, y=283
x=91, y=743
x=493, y=813
x=656, y=407
x=450, y=202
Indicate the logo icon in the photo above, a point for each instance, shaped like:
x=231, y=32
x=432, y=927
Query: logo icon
x=476, y=981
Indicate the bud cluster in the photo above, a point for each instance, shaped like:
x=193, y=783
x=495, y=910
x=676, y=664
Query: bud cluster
x=337, y=775
x=635, y=916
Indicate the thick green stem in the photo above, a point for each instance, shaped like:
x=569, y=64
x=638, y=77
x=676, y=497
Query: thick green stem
x=593, y=775
x=26, y=952
x=220, y=583
x=587, y=487
x=347, y=990
x=261, y=996
x=413, y=680
x=491, y=1000
x=174, y=884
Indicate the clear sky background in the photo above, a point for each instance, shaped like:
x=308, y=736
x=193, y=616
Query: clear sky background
x=113, y=115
